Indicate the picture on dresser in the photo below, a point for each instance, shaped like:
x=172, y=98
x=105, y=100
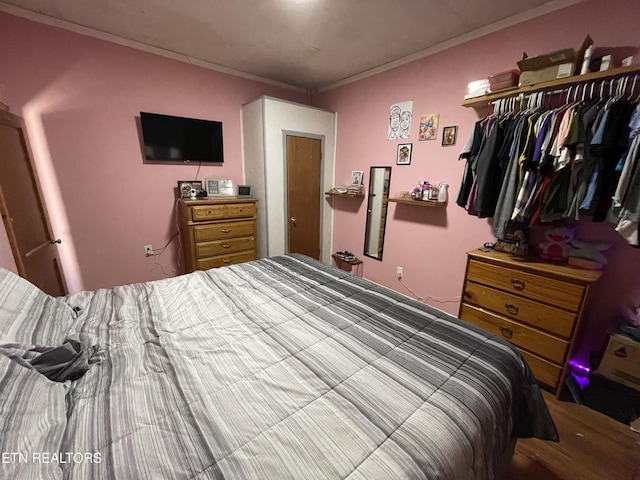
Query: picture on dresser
x=185, y=187
x=219, y=187
x=213, y=186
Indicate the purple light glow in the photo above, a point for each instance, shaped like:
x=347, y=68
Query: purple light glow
x=579, y=368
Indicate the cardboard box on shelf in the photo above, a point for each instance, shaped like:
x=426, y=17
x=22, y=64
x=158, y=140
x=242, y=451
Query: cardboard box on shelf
x=551, y=66
x=621, y=361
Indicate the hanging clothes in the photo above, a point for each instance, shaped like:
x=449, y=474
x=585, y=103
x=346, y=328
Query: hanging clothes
x=540, y=165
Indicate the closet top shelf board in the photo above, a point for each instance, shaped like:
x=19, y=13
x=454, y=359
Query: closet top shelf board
x=484, y=100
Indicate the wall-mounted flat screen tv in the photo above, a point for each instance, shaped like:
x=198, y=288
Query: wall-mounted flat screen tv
x=178, y=139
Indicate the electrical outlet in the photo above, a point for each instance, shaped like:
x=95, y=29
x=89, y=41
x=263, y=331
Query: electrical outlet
x=148, y=250
x=400, y=271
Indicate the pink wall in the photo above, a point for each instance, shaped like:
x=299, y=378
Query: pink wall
x=81, y=99
x=430, y=243
x=81, y=96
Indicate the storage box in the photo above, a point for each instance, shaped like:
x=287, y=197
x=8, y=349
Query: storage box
x=503, y=80
x=611, y=398
x=477, y=88
x=621, y=361
x=559, y=64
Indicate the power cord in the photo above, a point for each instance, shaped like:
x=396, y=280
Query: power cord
x=427, y=298
x=160, y=251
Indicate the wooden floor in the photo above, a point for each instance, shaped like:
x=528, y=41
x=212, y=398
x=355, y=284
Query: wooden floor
x=592, y=447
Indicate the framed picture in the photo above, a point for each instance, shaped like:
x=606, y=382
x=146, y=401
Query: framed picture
x=217, y=187
x=428, y=127
x=356, y=178
x=226, y=187
x=449, y=135
x=213, y=187
x=185, y=187
x=244, y=191
x=404, y=154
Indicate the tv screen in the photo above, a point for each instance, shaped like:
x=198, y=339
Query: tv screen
x=178, y=139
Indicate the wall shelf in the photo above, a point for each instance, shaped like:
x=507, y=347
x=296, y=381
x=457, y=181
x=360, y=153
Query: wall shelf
x=345, y=195
x=484, y=100
x=421, y=203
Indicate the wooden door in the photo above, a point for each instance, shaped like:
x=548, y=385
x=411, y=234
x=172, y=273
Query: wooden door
x=304, y=167
x=23, y=212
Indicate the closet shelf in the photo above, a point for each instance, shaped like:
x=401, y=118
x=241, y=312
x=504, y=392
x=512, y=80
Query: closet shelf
x=484, y=100
x=422, y=203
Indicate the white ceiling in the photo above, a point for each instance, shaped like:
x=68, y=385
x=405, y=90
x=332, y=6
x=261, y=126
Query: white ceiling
x=306, y=44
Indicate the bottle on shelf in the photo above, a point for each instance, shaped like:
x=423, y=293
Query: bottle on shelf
x=442, y=192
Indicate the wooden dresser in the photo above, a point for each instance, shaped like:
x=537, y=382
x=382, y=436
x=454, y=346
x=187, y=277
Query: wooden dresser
x=219, y=232
x=534, y=304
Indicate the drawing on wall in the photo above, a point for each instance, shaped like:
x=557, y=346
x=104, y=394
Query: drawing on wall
x=428, y=127
x=400, y=120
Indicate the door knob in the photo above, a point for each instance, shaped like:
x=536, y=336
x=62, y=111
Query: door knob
x=41, y=246
x=293, y=220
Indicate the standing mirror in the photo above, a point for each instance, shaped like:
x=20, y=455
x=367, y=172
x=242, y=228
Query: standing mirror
x=379, y=178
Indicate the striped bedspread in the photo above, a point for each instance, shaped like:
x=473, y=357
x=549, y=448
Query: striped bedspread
x=285, y=368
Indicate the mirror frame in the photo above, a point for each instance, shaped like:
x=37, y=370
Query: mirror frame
x=384, y=194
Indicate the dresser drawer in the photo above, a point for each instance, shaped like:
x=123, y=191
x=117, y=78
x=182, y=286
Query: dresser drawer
x=542, y=316
x=202, y=213
x=220, y=231
x=224, y=247
x=225, y=260
x=545, y=372
x=555, y=292
x=540, y=343
x=240, y=210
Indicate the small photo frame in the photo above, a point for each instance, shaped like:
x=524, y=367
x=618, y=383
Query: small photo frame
x=449, y=135
x=185, y=187
x=226, y=187
x=244, y=191
x=356, y=178
x=404, y=154
x=213, y=186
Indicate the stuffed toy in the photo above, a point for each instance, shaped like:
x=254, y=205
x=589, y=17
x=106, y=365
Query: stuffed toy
x=589, y=250
x=557, y=245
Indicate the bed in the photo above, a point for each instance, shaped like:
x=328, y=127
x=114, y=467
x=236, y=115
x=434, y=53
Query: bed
x=280, y=368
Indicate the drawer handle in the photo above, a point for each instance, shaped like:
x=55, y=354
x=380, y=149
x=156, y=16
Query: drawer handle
x=226, y=245
x=506, y=332
x=226, y=260
x=225, y=230
x=512, y=309
x=517, y=284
